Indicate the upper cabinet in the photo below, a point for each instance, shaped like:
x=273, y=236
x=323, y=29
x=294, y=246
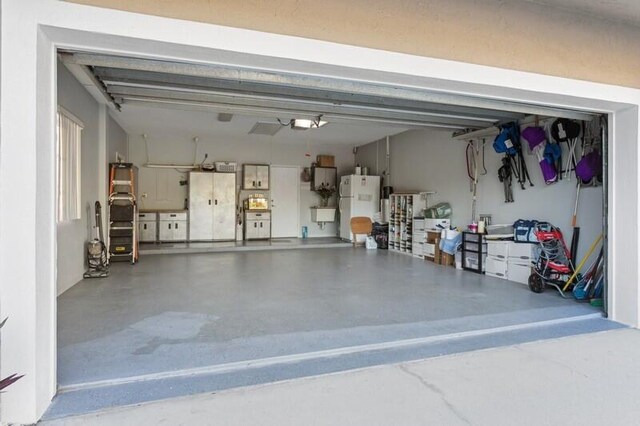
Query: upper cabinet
x=255, y=176
x=323, y=175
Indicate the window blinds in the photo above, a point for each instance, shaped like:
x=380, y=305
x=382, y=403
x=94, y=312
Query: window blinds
x=69, y=167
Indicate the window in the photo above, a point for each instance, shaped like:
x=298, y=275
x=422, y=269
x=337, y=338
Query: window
x=69, y=131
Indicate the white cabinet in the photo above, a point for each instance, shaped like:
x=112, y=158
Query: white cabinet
x=200, y=206
x=147, y=232
x=326, y=176
x=257, y=225
x=255, y=176
x=147, y=227
x=224, y=206
x=172, y=226
x=212, y=206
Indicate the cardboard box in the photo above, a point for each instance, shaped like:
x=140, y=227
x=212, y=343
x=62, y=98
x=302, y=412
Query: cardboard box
x=447, y=259
x=433, y=237
x=437, y=252
x=325, y=161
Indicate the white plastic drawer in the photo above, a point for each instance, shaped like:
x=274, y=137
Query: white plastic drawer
x=471, y=260
x=429, y=249
x=519, y=272
x=418, y=225
x=521, y=251
x=473, y=246
x=498, y=249
x=417, y=249
x=437, y=223
x=172, y=216
x=419, y=237
x=472, y=237
x=496, y=267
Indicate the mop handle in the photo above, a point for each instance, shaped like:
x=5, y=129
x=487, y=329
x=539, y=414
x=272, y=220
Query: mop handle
x=574, y=219
x=582, y=262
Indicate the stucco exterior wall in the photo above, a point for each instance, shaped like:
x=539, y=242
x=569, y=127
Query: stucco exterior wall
x=511, y=34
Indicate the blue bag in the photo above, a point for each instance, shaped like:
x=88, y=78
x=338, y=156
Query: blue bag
x=524, y=231
x=508, y=141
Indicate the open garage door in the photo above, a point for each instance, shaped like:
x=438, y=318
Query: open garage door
x=198, y=314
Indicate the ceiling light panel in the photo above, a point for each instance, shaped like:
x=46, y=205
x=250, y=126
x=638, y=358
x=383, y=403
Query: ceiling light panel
x=267, y=129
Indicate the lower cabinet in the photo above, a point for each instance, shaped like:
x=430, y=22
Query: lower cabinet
x=172, y=226
x=147, y=232
x=148, y=227
x=257, y=226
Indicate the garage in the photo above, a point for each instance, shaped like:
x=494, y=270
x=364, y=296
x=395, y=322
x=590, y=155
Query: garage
x=269, y=286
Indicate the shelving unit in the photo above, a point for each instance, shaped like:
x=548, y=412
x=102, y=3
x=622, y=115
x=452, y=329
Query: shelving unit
x=404, y=208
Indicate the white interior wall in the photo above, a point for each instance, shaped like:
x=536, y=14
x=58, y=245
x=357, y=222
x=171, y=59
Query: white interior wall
x=73, y=235
x=161, y=189
x=117, y=141
x=432, y=160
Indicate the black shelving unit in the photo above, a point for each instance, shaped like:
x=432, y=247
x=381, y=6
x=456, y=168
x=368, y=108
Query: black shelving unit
x=472, y=252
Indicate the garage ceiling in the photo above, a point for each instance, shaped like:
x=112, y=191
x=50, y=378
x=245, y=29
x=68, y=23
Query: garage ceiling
x=182, y=125
x=134, y=85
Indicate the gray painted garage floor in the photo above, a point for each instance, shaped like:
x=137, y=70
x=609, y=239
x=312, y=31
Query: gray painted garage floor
x=181, y=313
x=579, y=380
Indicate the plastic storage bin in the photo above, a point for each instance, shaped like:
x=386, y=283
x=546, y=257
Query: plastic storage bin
x=496, y=267
x=521, y=251
x=519, y=272
x=499, y=249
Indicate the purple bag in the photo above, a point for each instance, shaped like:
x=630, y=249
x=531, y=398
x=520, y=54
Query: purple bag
x=589, y=166
x=534, y=136
x=549, y=172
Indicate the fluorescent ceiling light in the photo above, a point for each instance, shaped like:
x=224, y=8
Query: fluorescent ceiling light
x=304, y=123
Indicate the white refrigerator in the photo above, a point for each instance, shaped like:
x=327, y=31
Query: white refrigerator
x=359, y=196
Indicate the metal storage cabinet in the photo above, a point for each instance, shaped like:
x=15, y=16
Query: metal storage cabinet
x=255, y=176
x=224, y=206
x=257, y=225
x=200, y=206
x=172, y=226
x=323, y=175
x=212, y=206
x=148, y=227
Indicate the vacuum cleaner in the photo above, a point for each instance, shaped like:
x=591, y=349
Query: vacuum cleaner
x=97, y=250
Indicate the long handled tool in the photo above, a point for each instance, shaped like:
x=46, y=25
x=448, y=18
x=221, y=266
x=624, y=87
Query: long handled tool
x=582, y=262
x=575, y=238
